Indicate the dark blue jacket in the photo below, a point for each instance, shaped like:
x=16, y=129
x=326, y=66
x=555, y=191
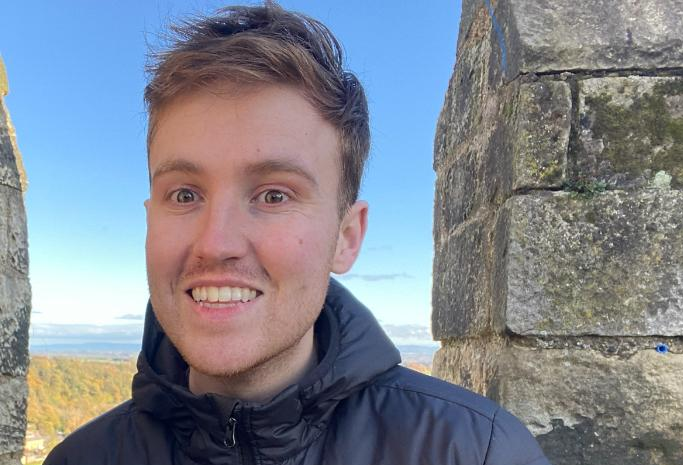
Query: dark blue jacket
x=358, y=407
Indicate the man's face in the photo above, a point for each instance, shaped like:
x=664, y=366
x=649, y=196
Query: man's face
x=242, y=224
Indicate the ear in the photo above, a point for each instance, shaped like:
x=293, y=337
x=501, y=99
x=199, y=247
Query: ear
x=351, y=233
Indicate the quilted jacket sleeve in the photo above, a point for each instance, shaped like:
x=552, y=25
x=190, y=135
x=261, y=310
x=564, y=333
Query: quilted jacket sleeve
x=512, y=444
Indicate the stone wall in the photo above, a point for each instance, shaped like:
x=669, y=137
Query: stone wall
x=558, y=228
x=15, y=293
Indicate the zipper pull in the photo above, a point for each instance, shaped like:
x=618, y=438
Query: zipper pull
x=230, y=433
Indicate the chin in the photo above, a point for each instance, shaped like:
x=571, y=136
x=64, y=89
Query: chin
x=225, y=360
x=230, y=358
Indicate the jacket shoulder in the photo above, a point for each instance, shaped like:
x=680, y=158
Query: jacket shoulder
x=92, y=441
x=503, y=438
x=428, y=387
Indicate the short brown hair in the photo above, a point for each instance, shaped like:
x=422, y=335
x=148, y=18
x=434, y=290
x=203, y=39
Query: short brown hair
x=267, y=45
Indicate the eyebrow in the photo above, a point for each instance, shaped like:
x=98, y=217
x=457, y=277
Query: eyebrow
x=178, y=165
x=266, y=167
x=261, y=168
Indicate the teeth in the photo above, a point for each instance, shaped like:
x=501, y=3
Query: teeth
x=222, y=294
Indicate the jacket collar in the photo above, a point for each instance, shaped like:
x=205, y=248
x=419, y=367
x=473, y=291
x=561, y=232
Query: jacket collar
x=348, y=337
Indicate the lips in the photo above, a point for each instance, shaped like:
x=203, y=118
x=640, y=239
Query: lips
x=214, y=294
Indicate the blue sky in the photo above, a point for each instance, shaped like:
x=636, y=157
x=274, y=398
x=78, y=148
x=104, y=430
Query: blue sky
x=76, y=78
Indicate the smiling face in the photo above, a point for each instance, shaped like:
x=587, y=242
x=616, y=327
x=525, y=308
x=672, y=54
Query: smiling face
x=243, y=226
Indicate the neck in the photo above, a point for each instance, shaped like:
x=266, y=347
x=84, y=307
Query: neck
x=262, y=382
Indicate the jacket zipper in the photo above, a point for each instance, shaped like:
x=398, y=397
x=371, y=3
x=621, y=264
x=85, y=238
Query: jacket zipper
x=232, y=436
x=230, y=440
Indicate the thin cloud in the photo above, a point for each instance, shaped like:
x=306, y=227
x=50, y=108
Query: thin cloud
x=376, y=277
x=130, y=316
x=85, y=333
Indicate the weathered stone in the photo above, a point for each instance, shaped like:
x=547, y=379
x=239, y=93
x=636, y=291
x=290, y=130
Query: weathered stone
x=461, y=301
x=15, y=294
x=14, y=323
x=15, y=304
x=4, y=85
x=13, y=392
x=608, y=265
x=589, y=408
x=9, y=173
x=478, y=178
x=631, y=130
x=540, y=120
x=526, y=133
x=13, y=458
x=17, y=235
x=455, y=194
x=470, y=362
x=13, y=240
x=552, y=301
x=467, y=98
x=543, y=36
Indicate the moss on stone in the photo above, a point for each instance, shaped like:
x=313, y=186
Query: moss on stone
x=583, y=188
x=642, y=136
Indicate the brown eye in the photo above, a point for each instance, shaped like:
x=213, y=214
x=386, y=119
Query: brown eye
x=274, y=196
x=185, y=196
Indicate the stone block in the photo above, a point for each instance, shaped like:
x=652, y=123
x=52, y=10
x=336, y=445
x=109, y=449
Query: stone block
x=461, y=298
x=589, y=408
x=548, y=36
x=470, y=362
x=526, y=134
x=17, y=234
x=13, y=392
x=478, y=178
x=456, y=193
x=13, y=234
x=15, y=298
x=539, y=117
x=468, y=98
x=631, y=131
x=9, y=172
x=607, y=265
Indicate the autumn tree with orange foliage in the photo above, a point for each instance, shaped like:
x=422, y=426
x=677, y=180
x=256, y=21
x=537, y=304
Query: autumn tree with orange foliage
x=65, y=393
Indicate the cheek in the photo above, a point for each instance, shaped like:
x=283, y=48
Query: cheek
x=296, y=251
x=164, y=250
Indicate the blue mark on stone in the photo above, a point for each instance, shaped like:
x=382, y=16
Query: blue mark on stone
x=499, y=35
x=662, y=348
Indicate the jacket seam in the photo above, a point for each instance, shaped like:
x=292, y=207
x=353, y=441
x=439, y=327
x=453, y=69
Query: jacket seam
x=450, y=401
x=488, y=446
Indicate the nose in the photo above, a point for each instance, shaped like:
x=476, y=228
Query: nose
x=221, y=233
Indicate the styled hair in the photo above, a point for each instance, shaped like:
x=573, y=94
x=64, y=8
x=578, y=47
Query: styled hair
x=254, y=45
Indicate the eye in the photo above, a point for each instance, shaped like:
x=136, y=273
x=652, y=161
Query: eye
x=273, y=196
x=184, y=196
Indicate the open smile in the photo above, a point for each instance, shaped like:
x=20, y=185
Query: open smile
x=224, y=294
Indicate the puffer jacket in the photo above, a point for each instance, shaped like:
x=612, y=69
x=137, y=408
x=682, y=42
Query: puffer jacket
x=358, y=407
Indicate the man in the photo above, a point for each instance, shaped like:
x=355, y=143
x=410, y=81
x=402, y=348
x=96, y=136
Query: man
x=257, y=141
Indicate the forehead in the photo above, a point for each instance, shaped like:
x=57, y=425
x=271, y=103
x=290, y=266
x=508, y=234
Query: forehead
x=238, y=124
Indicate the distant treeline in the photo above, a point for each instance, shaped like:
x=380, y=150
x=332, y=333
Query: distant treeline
x=65, y=392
